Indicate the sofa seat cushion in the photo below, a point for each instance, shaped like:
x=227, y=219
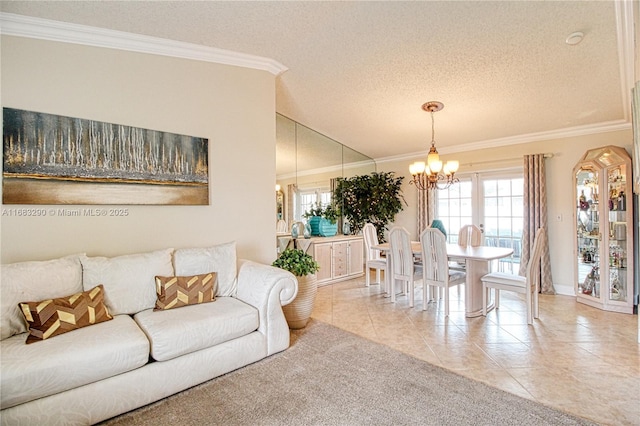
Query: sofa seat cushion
x=70, y=360
x=180, y=331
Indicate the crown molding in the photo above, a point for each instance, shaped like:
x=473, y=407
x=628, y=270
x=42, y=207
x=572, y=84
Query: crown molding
x=65, y=32
x=569, y=132
x=625, y=38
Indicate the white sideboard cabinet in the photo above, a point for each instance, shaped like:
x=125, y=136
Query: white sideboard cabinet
x=340, y=257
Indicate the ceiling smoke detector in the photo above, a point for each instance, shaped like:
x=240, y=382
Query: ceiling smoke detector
x=574, y=38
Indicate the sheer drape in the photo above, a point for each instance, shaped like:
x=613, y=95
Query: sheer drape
x=426, y=208
x=535, y=216
x=333, y=183
x=291, y=190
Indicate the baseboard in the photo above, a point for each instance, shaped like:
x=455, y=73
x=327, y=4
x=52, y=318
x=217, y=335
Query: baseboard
x=565, y=290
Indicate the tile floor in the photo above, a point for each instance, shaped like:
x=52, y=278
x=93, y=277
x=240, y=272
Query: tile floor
x=575, y=358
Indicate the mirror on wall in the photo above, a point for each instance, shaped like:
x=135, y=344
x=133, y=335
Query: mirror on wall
x=306, y=163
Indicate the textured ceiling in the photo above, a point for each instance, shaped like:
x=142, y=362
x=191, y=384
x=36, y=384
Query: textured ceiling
x=359, y=72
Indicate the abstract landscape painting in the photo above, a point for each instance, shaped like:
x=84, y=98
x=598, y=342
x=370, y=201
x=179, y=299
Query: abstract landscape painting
x=52, y=159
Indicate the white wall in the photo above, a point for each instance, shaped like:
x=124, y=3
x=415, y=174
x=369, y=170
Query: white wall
x=559, y=170
x=233, y=107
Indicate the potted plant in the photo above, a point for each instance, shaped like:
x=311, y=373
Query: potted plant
x=374, y=198
x=304, y=267
x=323, y=221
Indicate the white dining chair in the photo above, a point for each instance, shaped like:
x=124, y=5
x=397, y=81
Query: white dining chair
x=468, y=236
x=281, y=226
x=527, y=285
x=435, y=265
x=373, y=259
x=404, y=268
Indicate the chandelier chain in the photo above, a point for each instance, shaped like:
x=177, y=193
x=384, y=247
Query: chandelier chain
x=433, y=130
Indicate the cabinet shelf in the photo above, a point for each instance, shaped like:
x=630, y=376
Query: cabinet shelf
x=590, y=237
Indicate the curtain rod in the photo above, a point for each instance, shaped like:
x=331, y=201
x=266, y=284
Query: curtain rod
x=546, y=155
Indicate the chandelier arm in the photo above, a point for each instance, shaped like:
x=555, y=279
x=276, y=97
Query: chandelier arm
x=423, y=181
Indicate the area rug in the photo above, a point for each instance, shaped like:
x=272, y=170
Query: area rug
x=332, y=377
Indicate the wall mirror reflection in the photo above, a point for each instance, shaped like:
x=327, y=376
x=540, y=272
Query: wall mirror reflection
x=307, y=164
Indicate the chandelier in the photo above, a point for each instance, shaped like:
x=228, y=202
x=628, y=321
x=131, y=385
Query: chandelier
x=433, y=175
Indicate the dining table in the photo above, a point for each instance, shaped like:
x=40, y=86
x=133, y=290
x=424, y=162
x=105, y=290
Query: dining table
x=477, y=263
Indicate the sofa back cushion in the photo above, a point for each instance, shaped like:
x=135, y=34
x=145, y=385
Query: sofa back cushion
x=129, y=280
x=36, y=280
x=220, y=259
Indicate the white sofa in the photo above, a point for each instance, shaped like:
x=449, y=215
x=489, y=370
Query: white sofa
x=142, y=355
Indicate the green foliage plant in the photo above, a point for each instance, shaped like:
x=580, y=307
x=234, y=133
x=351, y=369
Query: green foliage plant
x=297, y=262
x=313, y=211
x=331, y=212
x=374, y=198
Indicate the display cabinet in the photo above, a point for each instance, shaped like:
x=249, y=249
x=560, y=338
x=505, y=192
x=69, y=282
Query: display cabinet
x=604, y=230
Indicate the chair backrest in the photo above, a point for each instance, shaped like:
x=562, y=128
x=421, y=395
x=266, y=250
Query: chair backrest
x=401, y=254
x=370, y=239
x=469, y=235
x=437, y=224
x=434, y=256
x=281, y=226
x=533, y=266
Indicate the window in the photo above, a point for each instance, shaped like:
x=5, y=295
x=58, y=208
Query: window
x=306, y=199
x=454, y=208
x=503, y=216
x=493, y=202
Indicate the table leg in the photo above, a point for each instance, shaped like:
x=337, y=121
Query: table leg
x=476, y=269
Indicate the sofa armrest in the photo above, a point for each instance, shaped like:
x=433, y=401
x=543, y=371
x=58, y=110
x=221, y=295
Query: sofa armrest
x=267, y=289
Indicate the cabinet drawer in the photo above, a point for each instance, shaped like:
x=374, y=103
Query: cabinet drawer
x=339, y=250
x=339, y=268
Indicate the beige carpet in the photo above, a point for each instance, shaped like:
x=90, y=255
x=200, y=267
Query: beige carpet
x=331, y=377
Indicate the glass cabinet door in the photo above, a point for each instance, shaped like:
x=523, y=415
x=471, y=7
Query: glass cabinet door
x=604, y=230
x=617, y=248
x=588, y=232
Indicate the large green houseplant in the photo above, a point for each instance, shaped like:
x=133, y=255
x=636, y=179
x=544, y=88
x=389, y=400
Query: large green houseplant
x=374, y=198
x=304, y=267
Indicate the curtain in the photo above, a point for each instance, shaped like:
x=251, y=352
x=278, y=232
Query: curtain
x=635, y=108
x=426, y=208
x=535, y=216
x=291, y=190
x=333, y=183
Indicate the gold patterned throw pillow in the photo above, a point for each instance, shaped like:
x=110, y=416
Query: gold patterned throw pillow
x=52, y=317
x=175, y=292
